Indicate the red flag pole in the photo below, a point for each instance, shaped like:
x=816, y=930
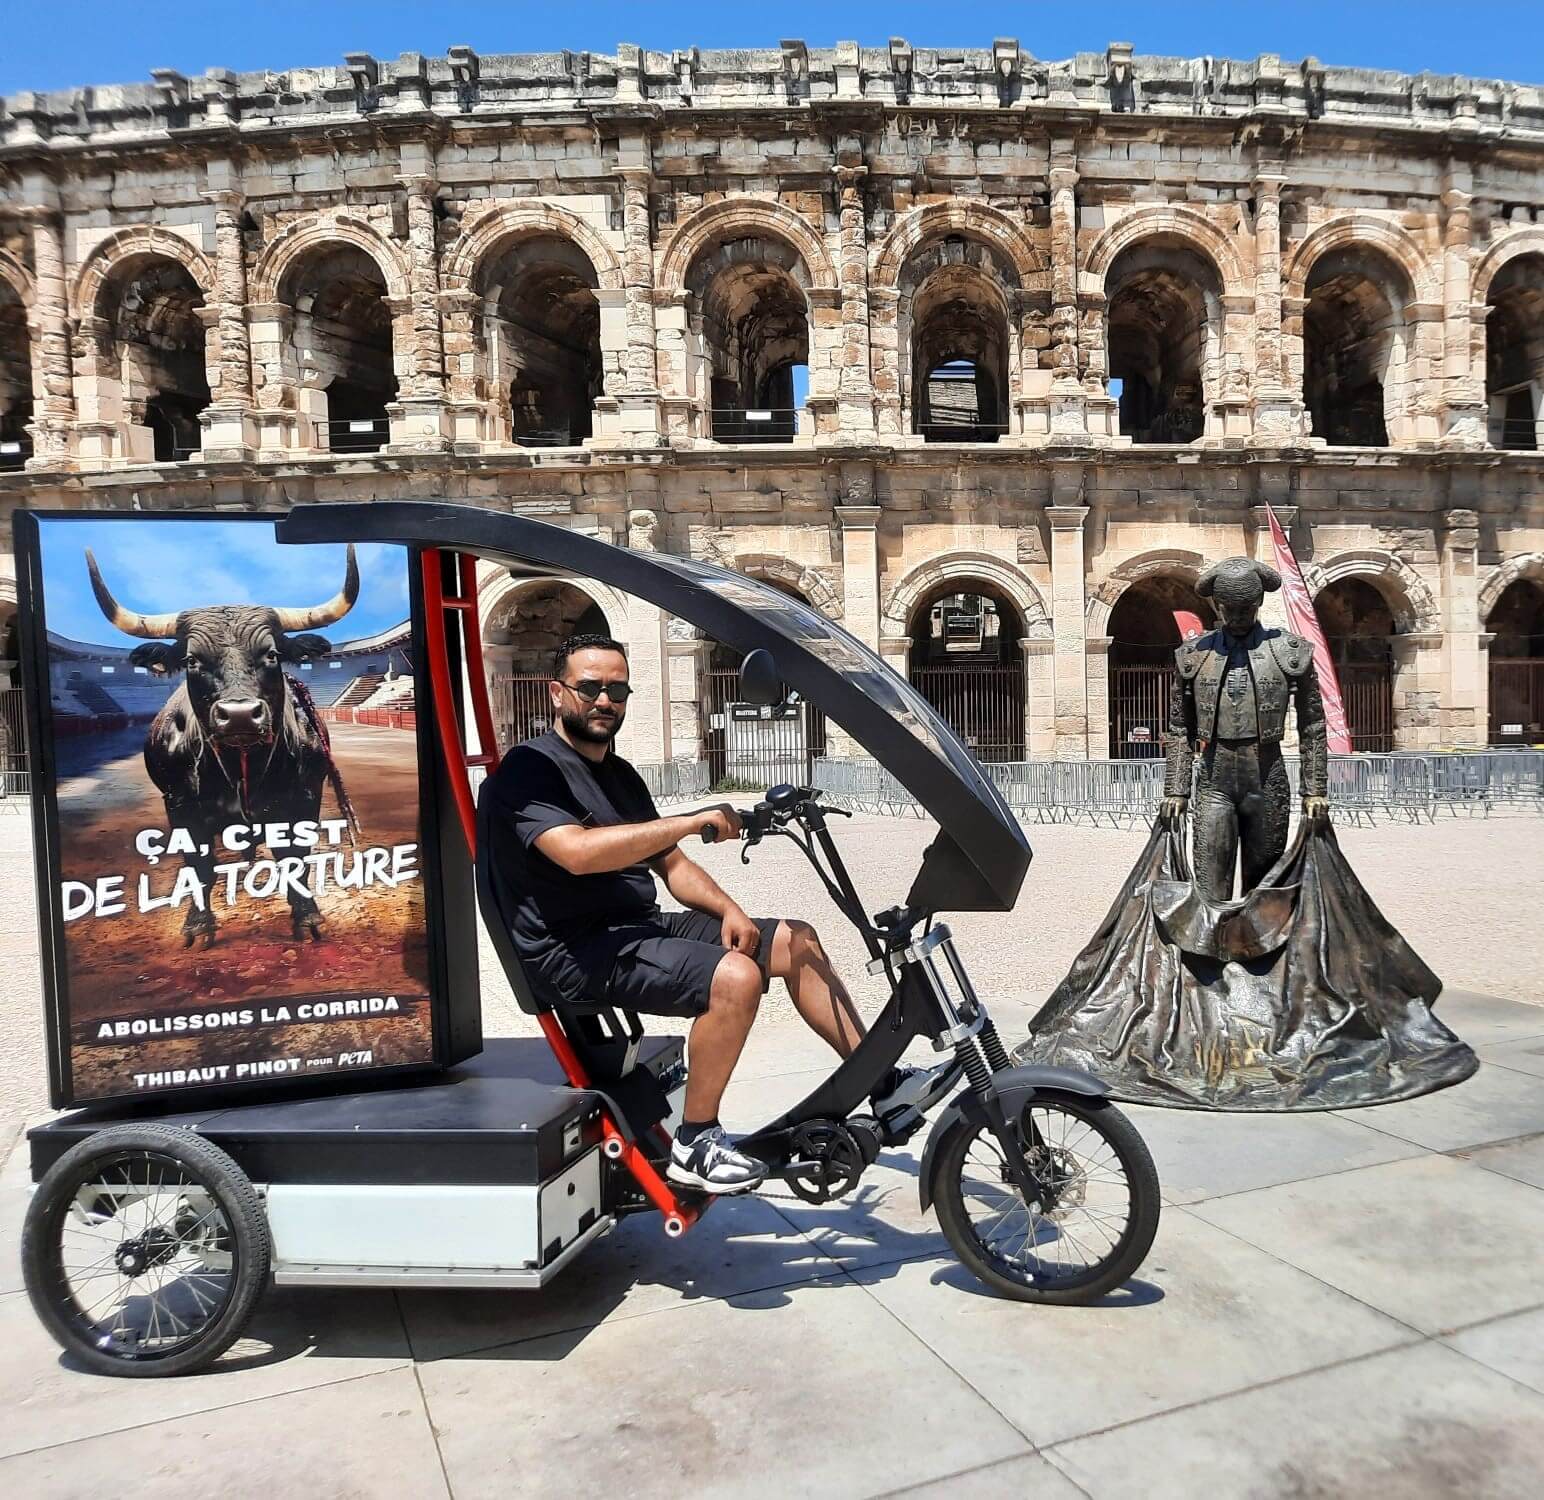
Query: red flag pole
x=1305, y=622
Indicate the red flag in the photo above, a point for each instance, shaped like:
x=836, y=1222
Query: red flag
x=1304, y=622
x=1190, y=625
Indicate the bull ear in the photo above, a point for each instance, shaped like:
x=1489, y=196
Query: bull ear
x=303, y=647
x=161, y=657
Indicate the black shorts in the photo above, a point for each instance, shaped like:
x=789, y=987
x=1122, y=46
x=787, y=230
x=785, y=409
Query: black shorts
x=667, y=968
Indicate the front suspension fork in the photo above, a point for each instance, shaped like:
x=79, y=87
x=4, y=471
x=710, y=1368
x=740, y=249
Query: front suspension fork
x=988, y=1103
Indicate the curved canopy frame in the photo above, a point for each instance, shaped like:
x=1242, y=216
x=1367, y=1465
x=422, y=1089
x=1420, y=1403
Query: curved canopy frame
x=980, y=857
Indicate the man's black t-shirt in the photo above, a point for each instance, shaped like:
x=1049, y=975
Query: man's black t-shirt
x=566, y=928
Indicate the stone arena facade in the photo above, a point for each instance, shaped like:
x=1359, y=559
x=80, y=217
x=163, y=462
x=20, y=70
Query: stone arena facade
x=980, y=354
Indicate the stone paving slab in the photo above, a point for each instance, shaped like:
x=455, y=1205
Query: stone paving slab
x=1511, y=1346
x=1207, y=1316
x=813, y=1390
x=1434, y=1242
x=1524, y=1055
x=1012, y=1479
x=1496, y=1104
x=1419, y=1423
x=298, y=1340
x=1521, y=1160
x=357, y=1439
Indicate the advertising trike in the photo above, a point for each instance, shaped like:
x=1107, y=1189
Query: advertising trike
x=259, y=862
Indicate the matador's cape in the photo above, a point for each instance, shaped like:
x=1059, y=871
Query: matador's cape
x=1300, y=996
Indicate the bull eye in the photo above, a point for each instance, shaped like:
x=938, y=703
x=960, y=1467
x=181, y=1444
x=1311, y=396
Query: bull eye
x=270, y=657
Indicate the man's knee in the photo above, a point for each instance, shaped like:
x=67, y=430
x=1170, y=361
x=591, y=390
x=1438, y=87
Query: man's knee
x=803, y=940
x=736, y=985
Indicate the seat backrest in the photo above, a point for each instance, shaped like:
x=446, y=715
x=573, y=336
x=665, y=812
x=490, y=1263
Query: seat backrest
x=495, y=916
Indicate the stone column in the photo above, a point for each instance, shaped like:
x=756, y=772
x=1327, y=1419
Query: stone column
x=1072, y=736
x=229, y=431
x=630, y=414
x=1463, y=412
x=1278, y=410
x=855, y=381
x=1464, y=664
x=1066, y=395
x=420, y=422
x=648, y=715
x=860, y=571
x=53, y=387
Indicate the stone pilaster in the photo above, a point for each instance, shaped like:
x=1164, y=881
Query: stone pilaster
x=629, y=414
x=860, y=571
x=53, y=387
x=1067, y=395
x=1039, y=654
x=1278, y=410
x=229, y=431
x=855, y=381
x=420, y=421
x=1463, y=395
x=1461, y=714
x=648, y=660
x=1071, y=734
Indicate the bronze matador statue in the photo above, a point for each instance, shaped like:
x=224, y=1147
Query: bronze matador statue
x=1229, y=705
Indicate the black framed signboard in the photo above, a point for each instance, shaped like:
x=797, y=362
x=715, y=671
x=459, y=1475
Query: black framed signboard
x=246, y=877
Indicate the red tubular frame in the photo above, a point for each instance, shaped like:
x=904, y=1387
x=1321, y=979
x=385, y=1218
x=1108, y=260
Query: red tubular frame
x=678, y=1216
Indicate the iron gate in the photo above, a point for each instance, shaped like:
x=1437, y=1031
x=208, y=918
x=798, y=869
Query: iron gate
x=984, y=705
x=1139, y=709
x=13, y=744
x=1367, y=691
x=784, y=753
x=522, y=708
x=1516, y=700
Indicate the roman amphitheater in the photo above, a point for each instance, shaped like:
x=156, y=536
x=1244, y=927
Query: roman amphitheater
x=981, y=355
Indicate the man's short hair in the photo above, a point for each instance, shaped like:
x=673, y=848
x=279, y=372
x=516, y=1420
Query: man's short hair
x=583, y=643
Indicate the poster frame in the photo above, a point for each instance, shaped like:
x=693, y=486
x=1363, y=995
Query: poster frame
x=451, y=941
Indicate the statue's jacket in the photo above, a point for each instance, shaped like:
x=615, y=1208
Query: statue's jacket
x=1206, y=704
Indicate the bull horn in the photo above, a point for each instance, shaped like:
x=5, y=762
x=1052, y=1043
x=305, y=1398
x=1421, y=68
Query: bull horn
x=151, y=627
x=334, y=609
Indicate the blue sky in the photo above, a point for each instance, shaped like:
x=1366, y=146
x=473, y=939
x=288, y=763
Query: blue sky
x=170, y=565
x=106, y=41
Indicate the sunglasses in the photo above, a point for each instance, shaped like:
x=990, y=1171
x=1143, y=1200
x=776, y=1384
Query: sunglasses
x=590, y=690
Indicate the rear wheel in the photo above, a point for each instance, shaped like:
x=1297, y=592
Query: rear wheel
x=1090, y=1231
x=145, y=1250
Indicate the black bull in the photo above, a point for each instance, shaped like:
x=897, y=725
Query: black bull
x=238, y=742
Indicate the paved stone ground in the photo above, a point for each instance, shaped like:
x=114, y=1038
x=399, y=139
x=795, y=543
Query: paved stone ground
x=1336, y=1304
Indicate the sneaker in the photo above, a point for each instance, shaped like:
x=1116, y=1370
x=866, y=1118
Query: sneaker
x=712, y=1165
x=914, y=1091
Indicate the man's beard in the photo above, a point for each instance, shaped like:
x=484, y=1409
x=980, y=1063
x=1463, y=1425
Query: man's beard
x=594, y=731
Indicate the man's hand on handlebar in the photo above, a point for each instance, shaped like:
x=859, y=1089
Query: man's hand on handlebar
x=720, y=822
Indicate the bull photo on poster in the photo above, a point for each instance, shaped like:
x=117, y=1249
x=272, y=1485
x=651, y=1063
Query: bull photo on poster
x=240, y=891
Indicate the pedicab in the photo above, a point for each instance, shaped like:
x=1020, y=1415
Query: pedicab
x=158, y=1218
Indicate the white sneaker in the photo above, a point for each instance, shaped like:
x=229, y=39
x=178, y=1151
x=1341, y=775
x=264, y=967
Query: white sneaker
x=712, y=1165
x=915, y=1089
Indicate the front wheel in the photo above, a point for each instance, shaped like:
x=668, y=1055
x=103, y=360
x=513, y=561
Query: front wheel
x=1088, y=1234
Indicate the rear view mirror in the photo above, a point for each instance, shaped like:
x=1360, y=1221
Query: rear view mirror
x=759, y=680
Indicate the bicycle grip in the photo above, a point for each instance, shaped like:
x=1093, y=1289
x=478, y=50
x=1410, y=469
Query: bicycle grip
x=709, y=833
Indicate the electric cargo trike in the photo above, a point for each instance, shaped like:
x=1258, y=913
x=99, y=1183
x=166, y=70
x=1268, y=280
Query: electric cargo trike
x=151, y=1234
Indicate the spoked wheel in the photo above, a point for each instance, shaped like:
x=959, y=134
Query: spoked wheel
x=1086, y=1236
x=145, y=1250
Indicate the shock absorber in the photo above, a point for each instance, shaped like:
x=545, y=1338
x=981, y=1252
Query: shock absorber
x=992, y=1045
x=977, y=1074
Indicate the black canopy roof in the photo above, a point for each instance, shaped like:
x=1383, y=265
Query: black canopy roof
x=978, y=861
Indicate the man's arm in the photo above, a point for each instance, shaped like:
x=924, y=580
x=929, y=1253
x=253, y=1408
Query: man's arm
x=695, y=889
x=600, y=851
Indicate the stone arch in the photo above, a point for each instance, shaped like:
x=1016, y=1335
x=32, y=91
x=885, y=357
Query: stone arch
x=732, y=218
x=811, y=585
x=1518, y=242
x=141, y=240
x=14, y=274
x=1350, y=231
x=1177, y=222
x=1500, y=579
x=935, y=220
x=296, y=241
x=1415, y=610
x=1177, y=562
x=965, y=567
x=509, y=223
x=498, y=593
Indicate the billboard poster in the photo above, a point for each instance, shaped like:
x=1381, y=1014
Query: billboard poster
x=234, y=805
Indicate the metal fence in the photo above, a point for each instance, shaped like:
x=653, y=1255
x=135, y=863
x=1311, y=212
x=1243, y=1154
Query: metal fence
x=1363, y=788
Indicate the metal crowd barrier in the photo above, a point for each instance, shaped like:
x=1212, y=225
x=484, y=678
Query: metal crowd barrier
x=1362, y=788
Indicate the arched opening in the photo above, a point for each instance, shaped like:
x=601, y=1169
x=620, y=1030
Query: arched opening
x=519, y=639
x=1354, y=347
x=747, y=748
x=1359, y=626
x=959, y=352
x=1163, y=328
x=1514, y=354
x=752, y=319
x=540, y=340
x=343, y=336
x=15, y=380
x=1150, y=620
x=1517, y=664
x=155, y=323
x=13, y=734
x=965, y=659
